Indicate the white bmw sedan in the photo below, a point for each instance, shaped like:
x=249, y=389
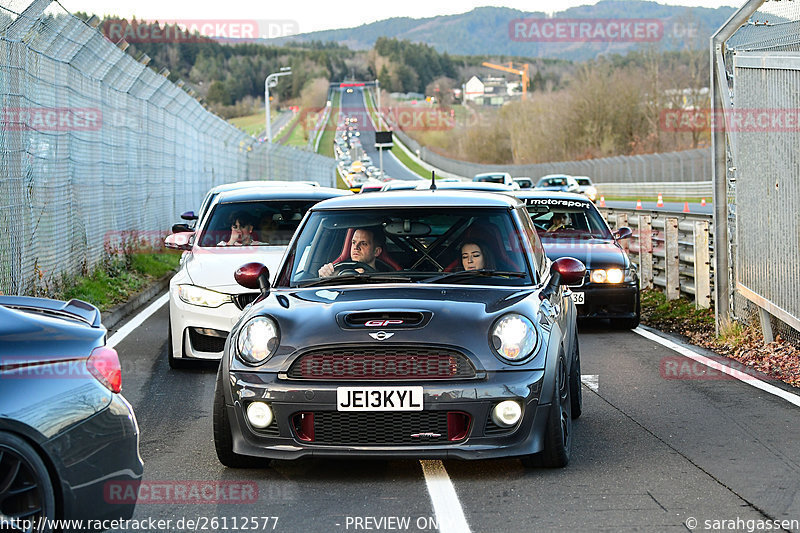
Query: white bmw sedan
x=254, y=224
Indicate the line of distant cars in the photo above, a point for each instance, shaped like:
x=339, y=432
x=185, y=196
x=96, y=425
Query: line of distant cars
x=552, y=182
x=355, y=165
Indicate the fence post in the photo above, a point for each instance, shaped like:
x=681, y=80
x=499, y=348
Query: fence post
x=702, y=266
x=645, y=252
x=672, y=259
x=766, y=325
x=622, y=220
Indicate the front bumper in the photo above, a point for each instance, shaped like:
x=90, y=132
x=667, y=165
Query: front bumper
x=199, y=332
x=603, y=300
x=473, y=398
x=95, y=457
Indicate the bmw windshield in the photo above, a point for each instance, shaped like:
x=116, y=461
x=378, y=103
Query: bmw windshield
x=562, y=218
x=402, y=245
x=261, y=223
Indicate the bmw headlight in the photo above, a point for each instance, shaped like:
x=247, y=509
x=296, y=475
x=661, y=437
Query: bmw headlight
x=257, y=340
x=194, y=295
x=612, y=275
x=514, y=337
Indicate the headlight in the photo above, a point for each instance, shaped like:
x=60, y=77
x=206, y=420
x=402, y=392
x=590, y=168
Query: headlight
x=598, y=276
x=191, y=294
x=514, y=337
x=257, y=340
x=612, y=275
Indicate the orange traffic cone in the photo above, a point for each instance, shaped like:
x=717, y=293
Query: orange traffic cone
x=602, y=202
x=685, y=207
x=638, y=204
x=703, y=202
x=660, y=202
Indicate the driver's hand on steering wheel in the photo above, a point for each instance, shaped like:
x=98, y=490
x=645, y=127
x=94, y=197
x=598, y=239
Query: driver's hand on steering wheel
x=326, y=270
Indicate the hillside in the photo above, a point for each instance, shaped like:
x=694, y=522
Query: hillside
x=485, y=30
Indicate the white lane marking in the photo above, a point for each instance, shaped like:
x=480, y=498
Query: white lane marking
x=136, y=321
x=737, y=374
x=591, y=381
x=449, y=513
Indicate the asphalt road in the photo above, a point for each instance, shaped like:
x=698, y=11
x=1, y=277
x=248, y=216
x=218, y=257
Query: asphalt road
x=650, y=453
x=353, y=103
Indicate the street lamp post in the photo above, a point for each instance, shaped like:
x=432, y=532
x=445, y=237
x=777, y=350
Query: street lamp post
x=272, y=81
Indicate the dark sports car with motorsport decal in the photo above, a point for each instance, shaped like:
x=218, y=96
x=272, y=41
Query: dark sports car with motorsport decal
x=424, y=324
x=569, y=225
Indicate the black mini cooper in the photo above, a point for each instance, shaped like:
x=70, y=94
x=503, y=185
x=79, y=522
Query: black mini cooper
x=426, y=324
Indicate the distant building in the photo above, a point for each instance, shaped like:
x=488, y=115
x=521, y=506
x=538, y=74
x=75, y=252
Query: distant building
x=473, y=89
x=490, y=91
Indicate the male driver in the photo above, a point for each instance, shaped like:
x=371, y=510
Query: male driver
x=364, y=248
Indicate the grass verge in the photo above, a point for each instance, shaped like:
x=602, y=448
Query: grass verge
x=329, y=134
x=251, y=124
x=742, y=342
x=115, y=279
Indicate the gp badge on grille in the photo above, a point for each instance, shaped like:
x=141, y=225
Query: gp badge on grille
x=380, y=335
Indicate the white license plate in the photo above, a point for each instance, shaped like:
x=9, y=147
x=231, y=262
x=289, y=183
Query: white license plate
x=379, y=398
x=577, y=297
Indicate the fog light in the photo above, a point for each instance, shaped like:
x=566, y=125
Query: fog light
x=507, y=413
x=259, y=415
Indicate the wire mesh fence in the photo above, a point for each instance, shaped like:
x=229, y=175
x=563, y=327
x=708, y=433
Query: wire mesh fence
x=758, y=84
x=95, y=144
x=684, y=166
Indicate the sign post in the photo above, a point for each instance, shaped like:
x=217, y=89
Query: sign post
x=383, y=139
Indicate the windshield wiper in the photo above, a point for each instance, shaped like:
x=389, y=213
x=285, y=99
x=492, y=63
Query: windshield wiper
x=467, y=274
x=350, y=278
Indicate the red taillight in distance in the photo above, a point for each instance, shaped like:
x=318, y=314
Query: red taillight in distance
x=104, y=365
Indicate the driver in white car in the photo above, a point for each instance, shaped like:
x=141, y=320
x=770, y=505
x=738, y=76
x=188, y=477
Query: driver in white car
x=365, y=248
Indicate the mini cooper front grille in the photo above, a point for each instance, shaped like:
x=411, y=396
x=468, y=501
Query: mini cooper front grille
x=382, y=363
x=245, y=299
x=381, y=428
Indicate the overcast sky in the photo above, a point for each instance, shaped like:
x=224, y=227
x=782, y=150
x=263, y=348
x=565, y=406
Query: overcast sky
x=322, y=15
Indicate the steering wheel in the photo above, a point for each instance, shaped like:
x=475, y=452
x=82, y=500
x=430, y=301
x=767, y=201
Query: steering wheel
x=349, y=267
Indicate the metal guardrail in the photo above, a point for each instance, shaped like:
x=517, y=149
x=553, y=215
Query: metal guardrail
x=672, y=250
x=696, y=189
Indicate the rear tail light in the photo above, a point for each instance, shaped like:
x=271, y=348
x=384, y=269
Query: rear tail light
x=104, y=365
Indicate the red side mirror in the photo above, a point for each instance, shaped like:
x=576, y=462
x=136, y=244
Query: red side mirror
x=571, y=270
x=252, y=276
x=179, y=241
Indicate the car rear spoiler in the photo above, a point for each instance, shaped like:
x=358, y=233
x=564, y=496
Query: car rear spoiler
x=77, y=309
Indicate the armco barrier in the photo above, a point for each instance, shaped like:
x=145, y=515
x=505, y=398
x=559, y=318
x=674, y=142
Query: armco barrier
x=672, y=250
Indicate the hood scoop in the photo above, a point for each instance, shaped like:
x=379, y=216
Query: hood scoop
x=383, y=319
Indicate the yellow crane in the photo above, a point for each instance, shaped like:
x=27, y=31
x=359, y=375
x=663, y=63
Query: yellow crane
x=509, y=67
